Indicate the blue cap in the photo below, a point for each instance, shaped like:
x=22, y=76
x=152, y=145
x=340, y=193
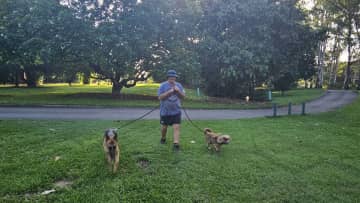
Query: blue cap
x=171, y=73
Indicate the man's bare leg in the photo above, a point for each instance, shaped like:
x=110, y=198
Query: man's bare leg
x=176, y=128
x=163, y=132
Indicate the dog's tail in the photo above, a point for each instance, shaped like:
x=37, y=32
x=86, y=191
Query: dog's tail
x=207, y=130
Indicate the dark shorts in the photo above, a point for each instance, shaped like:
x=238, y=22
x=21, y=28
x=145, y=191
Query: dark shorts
x=170, y=120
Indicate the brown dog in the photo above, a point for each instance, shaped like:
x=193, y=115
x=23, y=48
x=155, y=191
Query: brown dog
x=111, y=149
x=215, y=140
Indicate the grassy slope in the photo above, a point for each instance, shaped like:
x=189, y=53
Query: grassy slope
x=65, y=95
x=292, y=159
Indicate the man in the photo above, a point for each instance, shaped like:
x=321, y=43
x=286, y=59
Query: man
x=170, y=94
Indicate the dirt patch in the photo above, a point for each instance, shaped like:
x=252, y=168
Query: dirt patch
x=110, y=96
x=143, y=163
x=63, y=183
x=29, y=195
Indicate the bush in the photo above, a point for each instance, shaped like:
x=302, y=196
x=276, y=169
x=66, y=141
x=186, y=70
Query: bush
x=261, y=95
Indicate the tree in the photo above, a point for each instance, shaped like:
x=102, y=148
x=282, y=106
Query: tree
x=245, y=44
x=343, y=14
x=29, y=33
x=178, y=45
x=182, y=59
x=284, y=82
x=125, y=37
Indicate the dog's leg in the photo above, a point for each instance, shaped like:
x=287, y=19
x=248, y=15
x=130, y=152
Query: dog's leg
x=217, y=147
x=208, y=146
x=107, y=157
x=117, y=157
x=208, y=142
x=107, y=154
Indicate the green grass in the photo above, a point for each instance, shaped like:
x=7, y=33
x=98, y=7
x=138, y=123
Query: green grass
x=86, y=95
x=288, y=159
x=297, y=96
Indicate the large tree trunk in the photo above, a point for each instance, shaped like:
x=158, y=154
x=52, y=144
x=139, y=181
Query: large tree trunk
x=347, y=80
x=116, y=85
x=86, y=78
x=30, y=76
x=116, y=88
x=336, y=66
x=334, y=62
x=18, y=76
x=320, y=63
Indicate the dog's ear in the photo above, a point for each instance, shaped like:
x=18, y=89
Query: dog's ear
x=106, y=134
x=115, y=135
x=207, y=130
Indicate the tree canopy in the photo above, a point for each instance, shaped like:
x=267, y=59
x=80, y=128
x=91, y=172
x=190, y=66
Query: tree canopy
x=229, y=47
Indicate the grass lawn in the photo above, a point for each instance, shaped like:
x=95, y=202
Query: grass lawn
x=289, y=159
x=100, y=96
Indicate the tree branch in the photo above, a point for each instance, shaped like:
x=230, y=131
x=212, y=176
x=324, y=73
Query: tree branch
x=98, y=70
x=138, y=77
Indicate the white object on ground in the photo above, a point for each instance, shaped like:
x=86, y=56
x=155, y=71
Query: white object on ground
x=46, y=192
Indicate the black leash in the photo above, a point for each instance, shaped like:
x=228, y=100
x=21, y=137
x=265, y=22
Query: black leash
x=156, y=107
x=133, y=121
x=191, y=122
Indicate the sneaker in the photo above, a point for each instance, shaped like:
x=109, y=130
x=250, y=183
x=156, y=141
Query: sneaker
x=176, y=147
x=162, y=141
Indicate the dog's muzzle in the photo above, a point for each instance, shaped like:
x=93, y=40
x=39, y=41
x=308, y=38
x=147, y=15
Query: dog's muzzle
x=111, y=148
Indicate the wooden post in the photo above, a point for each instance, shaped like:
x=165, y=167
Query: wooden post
x=303, y=109
x=289, y=109
x=274, y=110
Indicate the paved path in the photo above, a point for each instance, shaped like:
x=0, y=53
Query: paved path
x=332, y=100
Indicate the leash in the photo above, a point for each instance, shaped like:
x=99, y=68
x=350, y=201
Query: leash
x=133, y=121
x=156, y=107
x=191, y=122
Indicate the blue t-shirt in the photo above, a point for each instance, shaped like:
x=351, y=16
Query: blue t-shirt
x=171, y=105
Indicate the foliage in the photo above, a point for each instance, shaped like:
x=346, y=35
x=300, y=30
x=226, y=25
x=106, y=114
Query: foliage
x=251, y=43
x=228, y=47
x=284, y=82
x=32, y=33
x=340, y=18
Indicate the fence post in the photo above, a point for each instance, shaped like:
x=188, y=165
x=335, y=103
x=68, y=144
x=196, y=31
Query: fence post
x=274, y=110
x=289, y=109
x=303, y=109
x=269, y=95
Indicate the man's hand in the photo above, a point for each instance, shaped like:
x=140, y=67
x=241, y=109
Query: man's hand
x=176, y=89
x=166, y=94
x=171, y=90
x=179, y=92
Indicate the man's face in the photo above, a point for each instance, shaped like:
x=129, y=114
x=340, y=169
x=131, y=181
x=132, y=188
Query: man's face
x=171, y=80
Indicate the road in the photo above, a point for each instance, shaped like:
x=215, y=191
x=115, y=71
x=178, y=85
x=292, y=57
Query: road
x=333, y=99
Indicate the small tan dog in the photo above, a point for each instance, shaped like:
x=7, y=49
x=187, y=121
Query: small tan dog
x=111, y=149
x=215, y=140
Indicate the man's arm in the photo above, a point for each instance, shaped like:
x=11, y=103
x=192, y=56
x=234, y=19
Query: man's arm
x=179, y=92
x=166, y=94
